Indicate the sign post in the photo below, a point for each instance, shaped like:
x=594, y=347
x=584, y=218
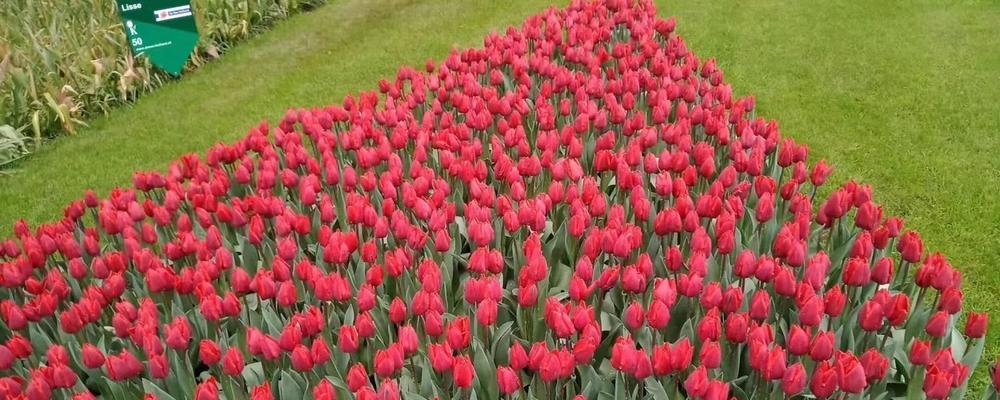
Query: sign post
x=163, y=30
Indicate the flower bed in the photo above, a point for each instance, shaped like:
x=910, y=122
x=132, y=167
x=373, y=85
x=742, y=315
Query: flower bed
x=579, y=209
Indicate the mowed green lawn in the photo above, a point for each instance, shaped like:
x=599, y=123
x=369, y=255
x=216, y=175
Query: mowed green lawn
x=902, y=95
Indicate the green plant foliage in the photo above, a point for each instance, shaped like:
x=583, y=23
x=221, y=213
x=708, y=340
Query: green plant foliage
x=64, y=61
x=13, y=145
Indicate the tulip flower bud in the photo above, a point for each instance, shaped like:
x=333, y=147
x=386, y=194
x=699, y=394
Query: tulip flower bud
x=975, y=325
x=871, y=316
x=937, y=324
x=92, y=356
x=232, y=362
x=875, y=365
x=302, y=359
x=950, y=301
x=357, y=378
x=634, y=316
x=710, y=355
x=760, y=305
x=462, y=371
x=834, y=301
x=209, y=352
x=794, y=379
x=459, y=335
x=508, y=380
x=911, y=247
x=696, y=383
x=937, y=383
x=324, y=390
x=348, y=339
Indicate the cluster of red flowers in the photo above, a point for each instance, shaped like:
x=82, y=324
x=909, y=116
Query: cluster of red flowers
x=579, y=209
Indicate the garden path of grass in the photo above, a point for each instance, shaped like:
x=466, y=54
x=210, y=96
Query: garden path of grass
x=902, y=95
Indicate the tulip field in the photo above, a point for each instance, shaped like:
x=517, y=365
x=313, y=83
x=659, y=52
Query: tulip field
x=579, y=208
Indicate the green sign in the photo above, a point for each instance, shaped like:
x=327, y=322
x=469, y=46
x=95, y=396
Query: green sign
x=163, y=30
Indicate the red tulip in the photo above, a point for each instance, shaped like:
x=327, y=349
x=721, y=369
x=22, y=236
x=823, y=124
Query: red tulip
x=209, y=352
x=462, y=371
x=851, y=373
x=898, y=310
x=680, y=355
x=262, y=392
x=875, y=365
x=38, y=388
x=324, y=390
x=357, y=378
x=178, y=333
x=123, y=366
x=551, y=367
x=92, y=356
x=760, y=305
x=717, y=390
x=302, y=358
x=950, y=301
x=736, y=327
x=63, y=376
x=937, y=324
x=871, y=316
x=486, y=312
x=397, y=311
x=937, y=383
x=697, y=382
x=911, y=247
x=517, y=356
x=834, y=300
x=975, y=325
x=508, y=380
x=658, y=315
x=710, y=355
x=824, y=380
x=159, y=367
x=710, y=326
x=347, y=341
x=634, y=316
x=794, y=379
x=883, y=270
x=232, y=362
x=441, y=356
x=798, y=341
x=459, y=334
x=661, y=361
x=822, y=346
x=320, y=351
x=287, y=295
x=820, y=172
x=207, y=390
x=388, y=390
x=386, y=362
x=7, y=358
x=856, y=272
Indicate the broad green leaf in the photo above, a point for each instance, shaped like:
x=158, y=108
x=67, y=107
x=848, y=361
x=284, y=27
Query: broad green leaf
x=151, y=387
x=288, y=387
x=485, y=371
x=971, y=359
x=915, y=389
x=655, y=388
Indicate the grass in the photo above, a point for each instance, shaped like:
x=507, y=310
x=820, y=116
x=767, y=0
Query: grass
x=901, y=95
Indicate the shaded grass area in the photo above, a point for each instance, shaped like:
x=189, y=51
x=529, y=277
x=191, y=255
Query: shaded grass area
x=901, y=95
x=898, y=94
